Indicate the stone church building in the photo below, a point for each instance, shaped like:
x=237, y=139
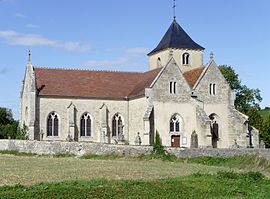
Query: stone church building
x=190, y=104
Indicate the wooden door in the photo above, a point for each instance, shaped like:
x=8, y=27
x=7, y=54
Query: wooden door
x=175, y=141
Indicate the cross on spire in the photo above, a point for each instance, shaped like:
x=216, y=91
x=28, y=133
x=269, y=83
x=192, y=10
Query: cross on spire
x=174, y=5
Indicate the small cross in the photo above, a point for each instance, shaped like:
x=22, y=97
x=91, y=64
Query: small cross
x=211, y=55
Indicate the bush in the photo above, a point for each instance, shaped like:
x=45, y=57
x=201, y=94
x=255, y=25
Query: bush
x=159, y=151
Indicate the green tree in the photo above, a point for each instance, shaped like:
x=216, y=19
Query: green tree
x=9, y=126
x=246, y=98
x=255, y=119
x=265, y=134
x=5, y=116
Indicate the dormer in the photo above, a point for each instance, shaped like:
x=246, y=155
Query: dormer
x=177, y=43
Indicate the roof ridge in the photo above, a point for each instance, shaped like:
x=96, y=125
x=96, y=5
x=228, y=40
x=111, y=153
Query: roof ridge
x=81, y=69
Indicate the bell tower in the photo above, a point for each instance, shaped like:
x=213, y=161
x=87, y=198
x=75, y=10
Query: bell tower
x=177, y=43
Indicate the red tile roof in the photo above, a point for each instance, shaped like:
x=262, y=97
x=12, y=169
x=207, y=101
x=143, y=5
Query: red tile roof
x=87, y=83
x=107, y=84
x=193, y=75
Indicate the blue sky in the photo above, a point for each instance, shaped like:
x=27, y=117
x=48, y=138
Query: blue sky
x=117, y=35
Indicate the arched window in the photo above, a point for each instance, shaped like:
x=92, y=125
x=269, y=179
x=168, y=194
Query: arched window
x=212, y=89
x=175, y=123
x=117, y=126
x=53, y=124
x=159, y=62
x=173, y=87
x=185, y=59
x=86, y=124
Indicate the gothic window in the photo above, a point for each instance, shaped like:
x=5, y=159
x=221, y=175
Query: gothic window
x=86, y=124
x=212, y=89
x=175, y=123
x=185, y=59
x=173, y=87
x=53, y=124
x=117, y=126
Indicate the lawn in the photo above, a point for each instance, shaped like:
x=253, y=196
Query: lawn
x=32, y=169
x=32, y=176
x=220, y=185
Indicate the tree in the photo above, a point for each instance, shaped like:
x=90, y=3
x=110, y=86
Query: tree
x=265, y=134
x=5, y=116
x=9, y=126
x=255, y=119
x=246, y=98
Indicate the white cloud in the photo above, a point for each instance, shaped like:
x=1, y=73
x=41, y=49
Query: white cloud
x=15, y=38
x=19, y=15
x=29, y=25
x=3, y=71
x=129, y=57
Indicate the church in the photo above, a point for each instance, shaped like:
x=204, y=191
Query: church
x=187, y=102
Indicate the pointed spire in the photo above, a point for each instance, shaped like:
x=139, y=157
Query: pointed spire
x=176, y=38
x=211, y=55
x=29, y=56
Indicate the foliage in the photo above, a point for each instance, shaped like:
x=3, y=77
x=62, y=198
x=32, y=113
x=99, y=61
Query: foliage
x=159, y=151
x=265, y=113
x=246, y=98
x=220, y=185
x=265, y=134
x=9, y=128
x=255, y=119
x=5, y=116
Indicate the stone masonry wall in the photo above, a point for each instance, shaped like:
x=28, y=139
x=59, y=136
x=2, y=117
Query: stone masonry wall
x=81, y=148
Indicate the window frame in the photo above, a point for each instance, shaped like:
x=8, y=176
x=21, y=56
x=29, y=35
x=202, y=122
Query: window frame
x=85, y=126
x=53, y=130
x=117, y=125
x=176, y=123
x=186, y=59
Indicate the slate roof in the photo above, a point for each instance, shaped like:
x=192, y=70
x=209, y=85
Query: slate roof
x=99, y=84
x=176, y=37
x=89, y=83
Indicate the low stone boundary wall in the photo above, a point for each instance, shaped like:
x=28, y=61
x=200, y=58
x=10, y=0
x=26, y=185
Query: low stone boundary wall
x=81, y=148
x=188, y=153
x=76, y=148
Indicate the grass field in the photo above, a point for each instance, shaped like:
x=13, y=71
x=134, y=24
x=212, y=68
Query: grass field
x=221, y=185
x=31, y=176
x=32, y=170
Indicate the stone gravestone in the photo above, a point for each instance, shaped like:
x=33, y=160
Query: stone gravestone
x=262, y=144
x=138, y=140
x=194, y=140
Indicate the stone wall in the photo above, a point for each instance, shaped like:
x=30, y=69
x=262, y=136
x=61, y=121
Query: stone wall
x=76, y=148
x=81, y=148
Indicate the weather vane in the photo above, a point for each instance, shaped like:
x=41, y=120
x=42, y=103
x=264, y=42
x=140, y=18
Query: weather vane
x=174, y=9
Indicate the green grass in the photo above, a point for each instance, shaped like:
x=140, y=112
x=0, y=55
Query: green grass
x=17, y=153
x=220, y=185
x=28, y=170
x=265, y=113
